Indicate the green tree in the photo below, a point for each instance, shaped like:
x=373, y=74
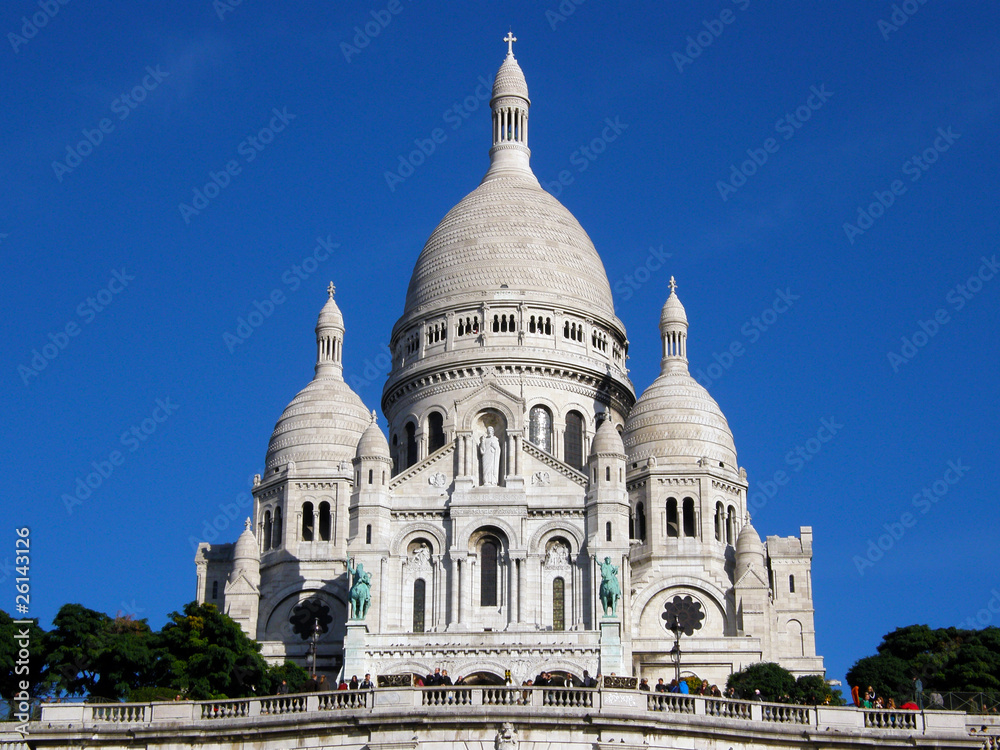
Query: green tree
x=90, y=653
x=812, y=690
x=14, y=669
x=207, y=655
x=294, y=675
x=774, y=682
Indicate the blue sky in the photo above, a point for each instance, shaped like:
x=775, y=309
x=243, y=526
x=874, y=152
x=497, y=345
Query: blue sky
x=727, y=143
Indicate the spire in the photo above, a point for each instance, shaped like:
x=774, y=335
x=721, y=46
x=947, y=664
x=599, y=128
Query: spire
x=673, y=331
x=510, y=104
x=330, y=338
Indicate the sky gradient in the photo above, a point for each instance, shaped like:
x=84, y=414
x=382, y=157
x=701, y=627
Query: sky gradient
x=821, y=179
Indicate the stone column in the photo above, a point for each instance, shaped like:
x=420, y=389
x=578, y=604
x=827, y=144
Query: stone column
x=513, y=591
x=521, y=565
x=455, y=583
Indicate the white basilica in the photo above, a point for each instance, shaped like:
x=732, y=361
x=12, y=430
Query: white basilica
x=517, y=459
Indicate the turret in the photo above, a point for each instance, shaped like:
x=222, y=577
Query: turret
x=242, y=593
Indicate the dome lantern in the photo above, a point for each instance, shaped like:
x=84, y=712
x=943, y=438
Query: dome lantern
x=510, y=104
x=673, y=331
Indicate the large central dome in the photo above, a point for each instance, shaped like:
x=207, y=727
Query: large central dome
x=509, y=234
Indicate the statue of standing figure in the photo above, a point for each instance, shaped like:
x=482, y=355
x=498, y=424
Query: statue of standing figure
x=489, y=449
x=360, y=596
x=610, y=591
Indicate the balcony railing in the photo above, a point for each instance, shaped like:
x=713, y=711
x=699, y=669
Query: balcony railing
x=569, y=702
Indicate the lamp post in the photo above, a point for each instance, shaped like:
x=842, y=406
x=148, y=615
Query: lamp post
x=675, y=628
x=315, y=638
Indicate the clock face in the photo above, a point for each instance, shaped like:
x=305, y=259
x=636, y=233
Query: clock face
x=306, y=613
x=686, y=610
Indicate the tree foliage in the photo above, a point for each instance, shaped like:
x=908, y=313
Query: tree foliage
x=90, y=653
x=778, y=685
x=207, y=655
x=944, y=659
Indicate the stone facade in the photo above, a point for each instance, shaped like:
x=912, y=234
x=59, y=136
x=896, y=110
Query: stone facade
x=517, y=458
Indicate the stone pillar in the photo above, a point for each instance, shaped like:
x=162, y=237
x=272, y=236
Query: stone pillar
x=355, y=645
x=463, y=589
x=611, y=646
x=513, y=590
x=455, y=583
x=521, y=565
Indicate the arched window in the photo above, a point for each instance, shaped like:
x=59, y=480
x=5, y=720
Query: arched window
x=607, y=531
x=540, y=427
x=324, y=521
x=488, y=554
x=573, y=440
x=640, y=522
x=395, y=457
x=267, y=530
x=607, y=473
x=435, y=426
x=791, y=584
x=419, y=593
x=689, y=519
x=215, y=589
x=558, y=604
x=368, y=534
x=719, y=521
x=276, y=529
x=730, y=525
x=411, y=444
x=673, y=526
x=371, y=476
x=308, y=528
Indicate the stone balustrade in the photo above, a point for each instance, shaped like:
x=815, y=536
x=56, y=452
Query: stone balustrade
x=569, y=702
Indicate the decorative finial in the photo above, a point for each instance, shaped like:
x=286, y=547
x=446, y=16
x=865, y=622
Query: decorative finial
x=673, y=285
x=374, y=417
x=510, y=39
x=247, y=525
x=331, y=289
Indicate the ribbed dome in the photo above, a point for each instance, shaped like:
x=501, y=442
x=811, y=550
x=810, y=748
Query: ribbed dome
x=676, y=420
x=246, y=546
x=673, y=311
x=509, y=233
x=330, y=316
x=373, y=443
x=748, y=542
x=320, y=427
x=510, y=80
x=607, y=440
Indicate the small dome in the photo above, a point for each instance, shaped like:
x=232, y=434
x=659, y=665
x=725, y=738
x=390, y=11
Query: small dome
x=373, y=443
x=246, y=546
x=607, y=440
x=510, y=80
x=320, y=428
x=673, y=311
x=678, y=421
x=748, y=542
x=330, y=316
